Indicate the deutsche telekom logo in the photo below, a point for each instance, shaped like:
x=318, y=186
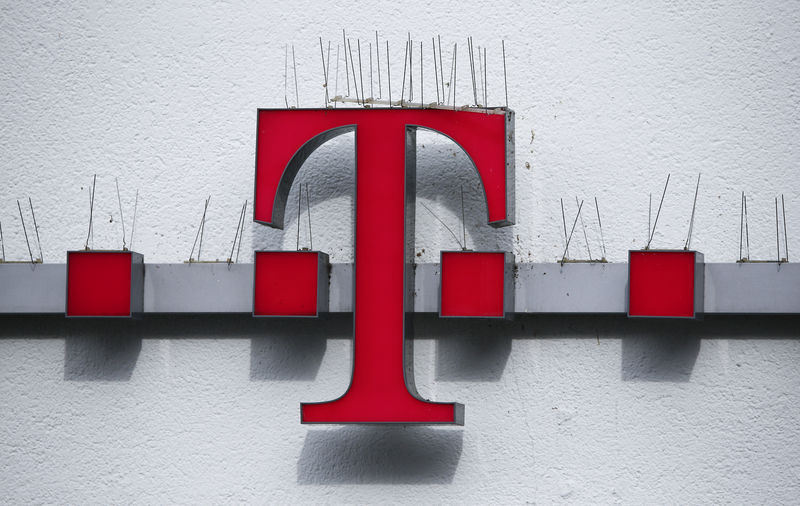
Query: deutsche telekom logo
x=382, y=386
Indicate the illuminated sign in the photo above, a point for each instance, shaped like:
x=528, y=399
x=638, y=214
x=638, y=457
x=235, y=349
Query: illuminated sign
x=104, y=283
x=382, y=385
x=665, y=284
x=660, y=283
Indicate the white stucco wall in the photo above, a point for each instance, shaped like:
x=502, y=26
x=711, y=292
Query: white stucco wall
x=609, y=98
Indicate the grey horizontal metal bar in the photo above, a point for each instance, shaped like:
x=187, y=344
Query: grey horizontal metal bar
x=32, y=288
x=749, y=288
x=752, y=288
x=198, y=288
x=571, y=288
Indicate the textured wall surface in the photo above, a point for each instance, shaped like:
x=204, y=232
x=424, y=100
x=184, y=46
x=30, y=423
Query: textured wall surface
x=609, y=99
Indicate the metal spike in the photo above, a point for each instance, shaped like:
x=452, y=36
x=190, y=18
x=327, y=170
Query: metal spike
x=239, y=224
x=455, y=73
x=746, y=228
x=360, y=74
x=299, y=196
x=388, y=74
x=564, y=221
x=353, y=69
x=244, y=210
x=121, y=217
x=691, y=221
x=463, y=218
x=203, y=228
x=443, y=224
x=741, y=227
x=410, y=68
x=286, y=74
x=26, y=231
x=405, y=61
x=505, y=78
x=336, y=92
x=36, y=229
x=658, y=213
x=327, y=74
x=296, y=93
x=324, y=71
x=600, y=224
x=133, y=225
x=344, y=46
x=435, y=70
x=480, y=76
x=472, y=69
x=378, y=62
x=371, y=80
x=441, y=66
x=485, y=83
x=199, y=230
x=585, y=237
x=785, y=236
x=649, y=215
x=450, y=83
x=564, y=257
x=421, y=78
x=777, y=233
x=308, y=212
x=91, y=211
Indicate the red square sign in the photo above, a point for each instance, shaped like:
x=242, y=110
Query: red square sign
x=104, y=283
x=290, y=283
x=665, y=284
x=476, y=284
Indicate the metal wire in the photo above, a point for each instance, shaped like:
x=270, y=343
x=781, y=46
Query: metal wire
x=296, y=93
x=389, y=74
x=505, y=79
x=564, y=221
x=91, y=210
x=242, y=233
x=121, y=217
x=585, y=237
x=564, y=256
x=25, y=230
x=444, y=224
x=133, y=225
x=199, y=231
x=308, y=212
x=36, y=229
x=655, y=223
x=600, y=223
x=378, y=64
x=785, y=236
x=353, y=68
x=691, y=221
x=324, y=70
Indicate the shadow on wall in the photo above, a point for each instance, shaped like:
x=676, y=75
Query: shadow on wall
x=292, y=349
x=478, y=350
x=468, y=350
x=380, y=454
x=443, y=169
x=652, y=349
x=101, y=350
x=666, y=353
x=97, y=349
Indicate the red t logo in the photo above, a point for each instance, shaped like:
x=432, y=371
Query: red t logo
x=382, y=386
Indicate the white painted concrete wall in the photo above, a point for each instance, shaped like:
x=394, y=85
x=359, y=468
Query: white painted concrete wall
x=609, y=98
